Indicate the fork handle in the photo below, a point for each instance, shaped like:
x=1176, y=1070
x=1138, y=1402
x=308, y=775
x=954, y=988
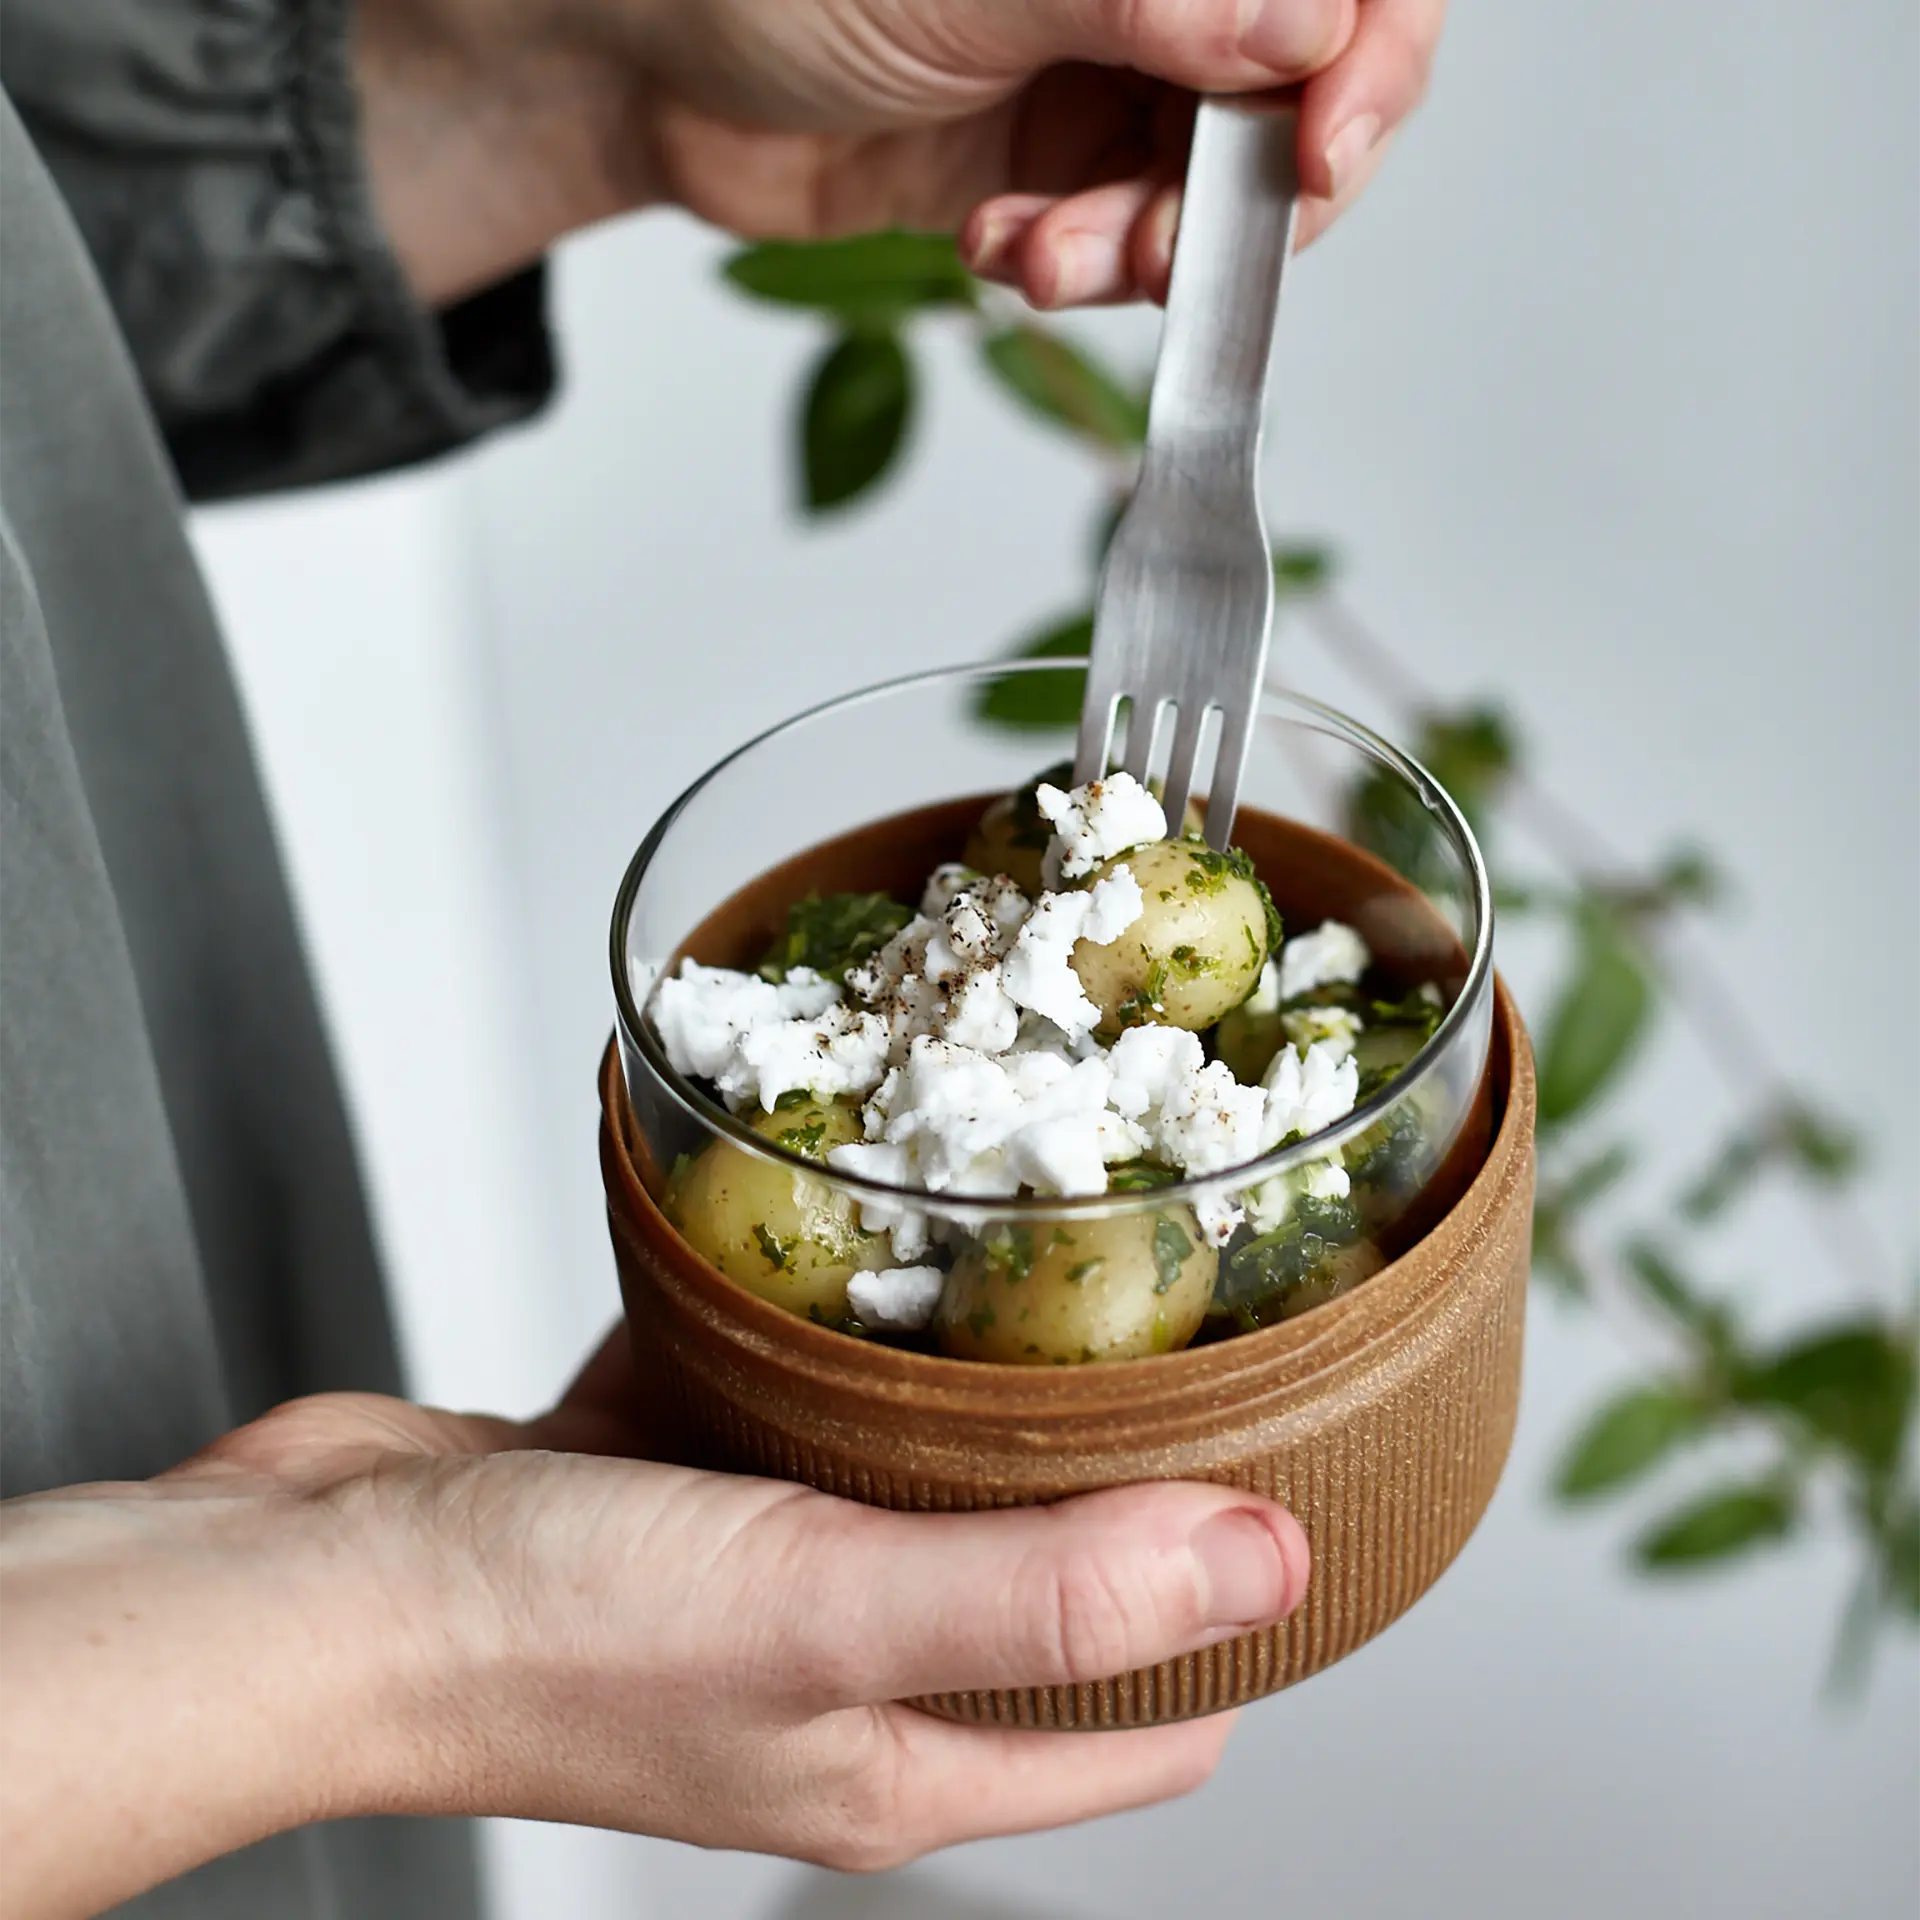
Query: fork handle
x=1236, y=231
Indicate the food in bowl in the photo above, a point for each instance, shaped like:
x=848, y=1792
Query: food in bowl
x=1113, y=1008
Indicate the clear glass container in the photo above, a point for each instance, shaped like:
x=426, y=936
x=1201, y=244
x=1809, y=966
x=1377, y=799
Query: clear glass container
x=868, y=793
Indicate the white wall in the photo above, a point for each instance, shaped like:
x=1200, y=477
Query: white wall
x=1609, y=395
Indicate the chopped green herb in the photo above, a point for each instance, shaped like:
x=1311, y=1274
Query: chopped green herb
x=805, y=1139
x=833, y=932
x=779, y=1253
x=1211, y=870
x=1059, y=1237
x=1264, y=1270
x=979, y=1320
x=1083, y=1270
x=1139, y=1176
x=1171, y=1250
x=792, y=1098
x=1189, y=963
x=1010, y=1252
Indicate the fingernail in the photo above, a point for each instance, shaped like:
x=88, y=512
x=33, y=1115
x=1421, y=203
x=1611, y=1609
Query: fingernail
x=1085, y=267
x=989, y=241
x=1165, y=224
x=1243, y=1570
x=1287, y=37
x=1348, y=149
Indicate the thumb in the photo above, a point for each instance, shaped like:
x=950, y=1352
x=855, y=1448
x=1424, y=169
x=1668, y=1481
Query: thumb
x=1041, y=1596
x=1208, y=45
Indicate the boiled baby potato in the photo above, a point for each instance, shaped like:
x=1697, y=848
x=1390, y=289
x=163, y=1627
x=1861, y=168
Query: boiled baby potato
x=1247, y=1039
x=1113, y=1289
x=1205, y=929
x=1011, y=838
x=780, y=1232
x=1339, y=1271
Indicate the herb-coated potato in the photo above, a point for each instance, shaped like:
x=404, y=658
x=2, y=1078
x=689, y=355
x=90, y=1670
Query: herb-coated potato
x=1195, y=952
x=786, y=1235
x=1247, y=1039
x=1338, y=1271
x=1113, y=1289
x=1382, y=1052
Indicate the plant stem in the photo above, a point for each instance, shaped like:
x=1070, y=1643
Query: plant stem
x=1734, y=1045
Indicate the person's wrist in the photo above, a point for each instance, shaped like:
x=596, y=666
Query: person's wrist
x=492, y=131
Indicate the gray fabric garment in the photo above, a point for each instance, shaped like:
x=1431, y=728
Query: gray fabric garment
x=209, y=152
x=182, y=1236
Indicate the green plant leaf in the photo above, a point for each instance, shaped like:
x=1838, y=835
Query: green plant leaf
x=858, y=405
x=1853, y=1385
x=1683, y=1302
x=1036, y=702
x=1065, y=385
x=1556, y=1213
x=1628, y=1437
x=1598, y=1020
x=1301, y=569
x=1899, y=1544
x=1826, y=1152
x=1471, y=753
x=1821, y=1148
x=1719, y=1526
x=874, y=279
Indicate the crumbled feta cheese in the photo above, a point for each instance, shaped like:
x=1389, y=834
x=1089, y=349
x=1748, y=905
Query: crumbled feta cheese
x=1336, y=1027
x=1094, y=822
x=1308, y=1092
x=1219, y=1214
x=955, y=877
x=941, y=974
x=954, y=1121
x=901, y=1299
x=1039, y=974
x=971, y=1038
x=1271, y=1204
x=1332, y=954
x=1147, y=1062
x=704, y=1015
x=841, y=1051
x=1210, y=1122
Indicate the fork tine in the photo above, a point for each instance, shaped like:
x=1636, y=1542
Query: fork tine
x=1143, y=729
x=1097, y=716
x=1229, y=766
x=1189, y=729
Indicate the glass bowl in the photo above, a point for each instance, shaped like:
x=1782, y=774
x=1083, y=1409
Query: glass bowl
x=871, y=792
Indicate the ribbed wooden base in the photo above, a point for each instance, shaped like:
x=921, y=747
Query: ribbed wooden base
x=1381, y=1420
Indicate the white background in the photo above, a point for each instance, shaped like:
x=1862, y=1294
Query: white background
x=1608, y=397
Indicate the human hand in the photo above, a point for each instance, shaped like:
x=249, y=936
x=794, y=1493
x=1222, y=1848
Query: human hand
x=1050, y=133
x=357, y=1605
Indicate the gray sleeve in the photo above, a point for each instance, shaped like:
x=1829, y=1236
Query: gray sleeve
x=209, y=152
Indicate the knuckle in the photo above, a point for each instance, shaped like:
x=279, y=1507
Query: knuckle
x=867, y=1827
x=1188, y=37
x=1090, y=1621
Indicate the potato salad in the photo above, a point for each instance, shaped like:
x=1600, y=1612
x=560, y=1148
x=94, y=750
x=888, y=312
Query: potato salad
x=1090, y=1004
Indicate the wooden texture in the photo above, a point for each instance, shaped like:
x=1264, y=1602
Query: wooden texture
x=1381, y=1420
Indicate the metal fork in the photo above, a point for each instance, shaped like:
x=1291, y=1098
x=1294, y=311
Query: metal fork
x=1185, y=608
